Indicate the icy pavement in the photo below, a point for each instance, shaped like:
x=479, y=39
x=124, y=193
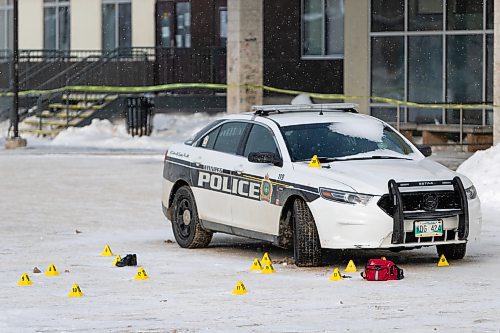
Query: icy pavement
x=114, y=198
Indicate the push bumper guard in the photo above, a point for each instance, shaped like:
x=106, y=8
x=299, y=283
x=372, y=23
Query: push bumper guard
x=400, y=215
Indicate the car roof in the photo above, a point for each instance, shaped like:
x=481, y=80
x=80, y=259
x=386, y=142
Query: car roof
x=307, y=117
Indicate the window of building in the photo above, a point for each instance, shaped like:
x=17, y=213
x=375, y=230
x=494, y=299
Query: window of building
x=432, y=51
x=6, y=24
x=173, y=23
x=183, y=35
x=56, y=25
x=323, y=28
x=116, y=24
x=223, y=26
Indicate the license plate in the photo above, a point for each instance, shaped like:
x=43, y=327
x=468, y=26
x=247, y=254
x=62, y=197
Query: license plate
x=428, y=228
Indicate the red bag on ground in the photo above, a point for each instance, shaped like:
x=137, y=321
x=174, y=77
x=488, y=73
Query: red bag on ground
x=382, y=270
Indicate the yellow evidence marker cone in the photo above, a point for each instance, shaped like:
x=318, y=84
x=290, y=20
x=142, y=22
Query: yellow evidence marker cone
x=266, y=259
x=268, y=269
x=141, y=274
x=336, y=276
x=350, y=268
x=107, y=252
x=75, y=291
x=442, y=261
x=256, y=266
x=25, y=280
x=314, y=163
x=240, y=289
x=52, y=271
x=118, y=258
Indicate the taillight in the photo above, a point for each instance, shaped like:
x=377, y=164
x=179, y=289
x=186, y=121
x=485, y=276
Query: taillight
x=165, y=158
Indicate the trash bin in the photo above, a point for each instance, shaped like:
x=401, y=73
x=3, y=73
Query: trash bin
x=139, y=115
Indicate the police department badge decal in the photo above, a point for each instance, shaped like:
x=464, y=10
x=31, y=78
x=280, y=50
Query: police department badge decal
x=266, y=189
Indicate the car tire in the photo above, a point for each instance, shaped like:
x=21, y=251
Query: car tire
x=186, y=226
x=452, y=251
x=306, y=244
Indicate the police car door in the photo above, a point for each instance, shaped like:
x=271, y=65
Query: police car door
x=260, y=211
x=211, y=177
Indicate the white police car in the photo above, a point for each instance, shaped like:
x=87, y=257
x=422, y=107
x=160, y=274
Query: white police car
x=252, y=175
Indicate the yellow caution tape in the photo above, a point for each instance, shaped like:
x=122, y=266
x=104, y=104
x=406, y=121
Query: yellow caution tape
x=220, y=86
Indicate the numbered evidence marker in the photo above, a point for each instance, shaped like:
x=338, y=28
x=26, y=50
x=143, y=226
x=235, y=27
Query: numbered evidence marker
x=25, y=280
x=314, y=163
x=239, y=289
x=52, y=271
x=266, y=259
x=268, y=269
x=75, y=291
x=336, y=276
x=351, y=268
x=141, y=274
x=442, y=261
x=256, y=266
x=118, y=258
x=107, y=252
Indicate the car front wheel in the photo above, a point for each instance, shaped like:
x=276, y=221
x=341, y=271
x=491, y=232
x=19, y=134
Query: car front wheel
x=452, y=251
x=186, y=226
x=306, y=244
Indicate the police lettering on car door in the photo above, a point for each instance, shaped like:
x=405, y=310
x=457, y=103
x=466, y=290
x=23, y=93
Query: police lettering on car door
x=224, y=182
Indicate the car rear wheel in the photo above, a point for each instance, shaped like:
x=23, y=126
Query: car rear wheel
x=306, y=244
x=452, y=251
x=186, y=226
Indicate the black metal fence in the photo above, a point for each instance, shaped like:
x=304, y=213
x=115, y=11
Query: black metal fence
x=48, y=69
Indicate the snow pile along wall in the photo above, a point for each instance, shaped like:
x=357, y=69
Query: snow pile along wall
x=102, y=134
x=483, y=168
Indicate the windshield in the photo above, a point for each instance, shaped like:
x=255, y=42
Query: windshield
x=342, y=140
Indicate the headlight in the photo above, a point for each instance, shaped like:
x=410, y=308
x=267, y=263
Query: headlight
x=471, y=192
x=345, y=197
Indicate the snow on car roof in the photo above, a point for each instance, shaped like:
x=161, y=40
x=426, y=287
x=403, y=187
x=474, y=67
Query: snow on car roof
x=310, y=117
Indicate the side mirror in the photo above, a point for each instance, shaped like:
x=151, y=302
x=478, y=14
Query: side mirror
x=265, y=157
x=425, y=150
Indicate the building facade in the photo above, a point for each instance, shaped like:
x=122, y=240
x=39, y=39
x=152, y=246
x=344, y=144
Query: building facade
x=424, y=51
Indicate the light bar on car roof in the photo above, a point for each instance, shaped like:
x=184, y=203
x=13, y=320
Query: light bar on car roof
x=339, y=107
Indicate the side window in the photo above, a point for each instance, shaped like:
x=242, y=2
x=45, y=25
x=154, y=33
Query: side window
x=261, y=140
x=209, y=139
x=229, y=137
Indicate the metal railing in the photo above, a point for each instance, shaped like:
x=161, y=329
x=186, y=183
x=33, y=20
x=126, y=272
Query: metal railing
x=451, y=116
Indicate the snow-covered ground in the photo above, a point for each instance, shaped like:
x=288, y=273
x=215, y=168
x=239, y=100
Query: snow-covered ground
x=111, y=195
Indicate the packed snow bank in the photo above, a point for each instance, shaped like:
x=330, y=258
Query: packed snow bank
x=102, y=134
x=483, y=168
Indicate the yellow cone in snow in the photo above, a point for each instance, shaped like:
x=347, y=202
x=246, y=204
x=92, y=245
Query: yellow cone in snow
x=351, y=268
x=107, y=252
x=336, y=276
x=239, y=289
x=268, y=269
x=256, y=266
x=52, y=271
x=25, y=280
x=442, y=261
x=141, y=274
x=75, y=291
x=118, y=258
x=266, y=259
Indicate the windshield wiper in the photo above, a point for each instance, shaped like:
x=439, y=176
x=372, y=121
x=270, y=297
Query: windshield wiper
x=323, y=159
x=374, y=157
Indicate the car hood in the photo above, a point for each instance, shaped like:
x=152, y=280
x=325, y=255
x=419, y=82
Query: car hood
x=372, y=176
